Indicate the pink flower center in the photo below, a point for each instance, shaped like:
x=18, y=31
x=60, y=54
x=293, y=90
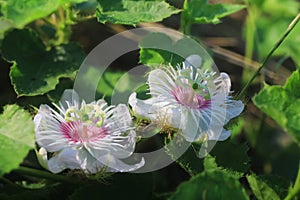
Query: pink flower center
x=75, y=131
x=193, y=99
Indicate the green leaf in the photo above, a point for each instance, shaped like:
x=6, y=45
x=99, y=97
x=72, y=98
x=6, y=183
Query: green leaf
x=236, y=127
x=201, y=12
x=160, y=49
x=266, y=31
x=16, y=137
x=117, y=86
x=231, y=155
x=5, y=26
x=74, y=1
x=273, y=100
x=55, y=95
x=210, y=185
x=22, y=12
x=108, y=81
x=292, y=114
x=275, y=8
x=278, y=183
x=36, y=70
x=210, y=163
x=261, y=190
x=132, y=12
x=293, y=84
x=189, y=160
x=282, y=103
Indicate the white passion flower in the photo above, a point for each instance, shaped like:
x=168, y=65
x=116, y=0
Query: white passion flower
x=85, y=136
x=192, y=100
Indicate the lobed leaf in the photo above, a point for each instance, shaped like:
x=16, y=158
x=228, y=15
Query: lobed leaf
x=36, y=70
x=282, y=103
x=231, y=155
x=201, y=12
x=132, y=12
x=22, y=12
x=214, y=184
x=16, y=137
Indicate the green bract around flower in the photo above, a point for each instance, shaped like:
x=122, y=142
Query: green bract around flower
x=196, y=102
x=85, y=136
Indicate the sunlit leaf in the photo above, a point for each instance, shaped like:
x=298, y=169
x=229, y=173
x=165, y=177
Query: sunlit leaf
x=200, y=11
x=16, y=137
x=22, y=12
x=210, y=163
x=36, y=70
x=132, y=12
x=282, y=103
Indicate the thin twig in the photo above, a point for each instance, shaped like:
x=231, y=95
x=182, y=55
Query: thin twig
x=283, y=37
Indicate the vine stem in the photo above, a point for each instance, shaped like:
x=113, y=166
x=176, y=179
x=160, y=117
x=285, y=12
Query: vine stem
x=43, y=174
x=283, y=37
x=296, y=188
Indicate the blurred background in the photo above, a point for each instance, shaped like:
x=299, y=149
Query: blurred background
x=238, y=46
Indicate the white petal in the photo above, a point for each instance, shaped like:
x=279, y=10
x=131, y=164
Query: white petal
x=126, y=147
x=66, y=159
x=226, y=81
x=120, y=120
x=70, y=96
x=88, y=163
x=42, y=157
x=233, y=109
x=47, y=130
x=224, y=135
x=217, y=133
x=173, y=115
x=37, y=121
x=142, y=108
x=190, y=127
x=194, y=60
x=120, y=147
x=116, y=165
x=160, y=82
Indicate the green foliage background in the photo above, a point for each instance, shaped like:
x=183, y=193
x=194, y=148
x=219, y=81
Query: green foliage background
x=43, y=43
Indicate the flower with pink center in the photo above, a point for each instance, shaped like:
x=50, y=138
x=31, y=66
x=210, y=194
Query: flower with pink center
x=195, y=101
x=188, y=98
x=85, y=136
